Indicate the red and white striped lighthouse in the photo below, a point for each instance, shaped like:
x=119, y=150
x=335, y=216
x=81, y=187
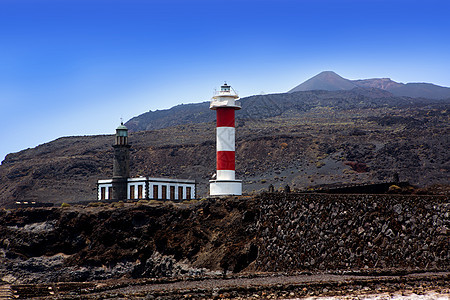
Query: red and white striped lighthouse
x=224, y=103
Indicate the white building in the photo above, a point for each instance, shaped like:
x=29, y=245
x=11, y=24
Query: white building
x=151, y=188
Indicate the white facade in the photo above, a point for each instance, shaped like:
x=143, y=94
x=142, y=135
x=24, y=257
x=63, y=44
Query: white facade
x=152, y=188
x=225, y=138
x=225, y=175
x=224, y=187
x=104, y=189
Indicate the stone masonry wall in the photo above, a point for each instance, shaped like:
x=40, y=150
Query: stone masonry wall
x=330, y=232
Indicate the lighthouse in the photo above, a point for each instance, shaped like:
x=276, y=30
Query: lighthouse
x=122, y=187
x=121, y=164
x=224, y=103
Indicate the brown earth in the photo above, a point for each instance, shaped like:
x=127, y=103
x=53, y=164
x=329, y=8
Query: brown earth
x=273, y=232
x=256, y=286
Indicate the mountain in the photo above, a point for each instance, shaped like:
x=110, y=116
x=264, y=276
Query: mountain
x=330, y=81
x=327, y=81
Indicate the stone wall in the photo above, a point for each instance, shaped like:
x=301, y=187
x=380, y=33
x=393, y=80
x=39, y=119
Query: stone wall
x=274, y=232
x=331, y=232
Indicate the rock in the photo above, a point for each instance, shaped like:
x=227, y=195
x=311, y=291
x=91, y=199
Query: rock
x=9, y=279
x=442, y=230
x=397, y=208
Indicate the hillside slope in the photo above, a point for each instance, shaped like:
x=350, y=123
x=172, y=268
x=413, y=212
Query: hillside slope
x=320, y=145
x=272, y=105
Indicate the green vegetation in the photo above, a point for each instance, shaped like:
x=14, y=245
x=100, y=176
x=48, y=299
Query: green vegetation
x=117, y=204
x=190, y=201
x=153, y=202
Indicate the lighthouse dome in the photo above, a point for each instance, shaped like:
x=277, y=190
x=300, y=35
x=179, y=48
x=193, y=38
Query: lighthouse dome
x=122, y=127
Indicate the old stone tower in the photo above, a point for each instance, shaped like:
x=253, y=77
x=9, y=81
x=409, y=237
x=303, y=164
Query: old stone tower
x=121, y=164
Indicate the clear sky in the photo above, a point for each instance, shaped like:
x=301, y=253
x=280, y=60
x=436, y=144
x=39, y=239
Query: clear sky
x=76, y=67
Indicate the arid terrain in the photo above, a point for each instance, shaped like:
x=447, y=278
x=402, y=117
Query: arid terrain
x=303, y=149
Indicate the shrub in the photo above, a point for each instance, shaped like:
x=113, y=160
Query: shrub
x=190, y=201
x=155, y=202
x=118, y=204
x=64, y=204
x=394, y=189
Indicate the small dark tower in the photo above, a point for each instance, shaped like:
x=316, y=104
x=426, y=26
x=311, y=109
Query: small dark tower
x=121, y=165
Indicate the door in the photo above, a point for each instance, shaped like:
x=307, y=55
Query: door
x=188, y=193
x=172, y=192
x=155, y=192
x=131, y=191
x=180, y=193
x=140, y=188
x=164, y=192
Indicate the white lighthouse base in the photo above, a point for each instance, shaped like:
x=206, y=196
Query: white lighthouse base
x=225, y=187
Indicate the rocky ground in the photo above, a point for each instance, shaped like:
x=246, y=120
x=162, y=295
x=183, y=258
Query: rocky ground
x=255, y=286
x=272, y=232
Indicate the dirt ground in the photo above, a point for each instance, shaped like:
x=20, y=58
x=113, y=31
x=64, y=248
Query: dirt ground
x=254, y=286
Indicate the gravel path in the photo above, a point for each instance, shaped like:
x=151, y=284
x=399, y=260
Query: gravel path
x=278, y=286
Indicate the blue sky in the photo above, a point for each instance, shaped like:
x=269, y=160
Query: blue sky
x=76, y=67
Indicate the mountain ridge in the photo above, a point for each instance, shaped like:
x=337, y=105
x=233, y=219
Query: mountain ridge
x=271, y=105
x=331, y=81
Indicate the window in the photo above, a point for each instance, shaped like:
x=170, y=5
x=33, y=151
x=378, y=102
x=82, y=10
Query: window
x=102, y=193
x=131, y=191
x=109, y=193
x=180, y=193
x=155, y=192
x=172, y=192
x=188, y=193
x=140, y=188
x=164, y=192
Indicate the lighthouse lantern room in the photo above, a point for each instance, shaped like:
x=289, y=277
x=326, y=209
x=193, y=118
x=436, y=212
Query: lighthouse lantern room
x=224, y=102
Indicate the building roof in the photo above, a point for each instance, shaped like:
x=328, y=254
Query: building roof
x=122, y=127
